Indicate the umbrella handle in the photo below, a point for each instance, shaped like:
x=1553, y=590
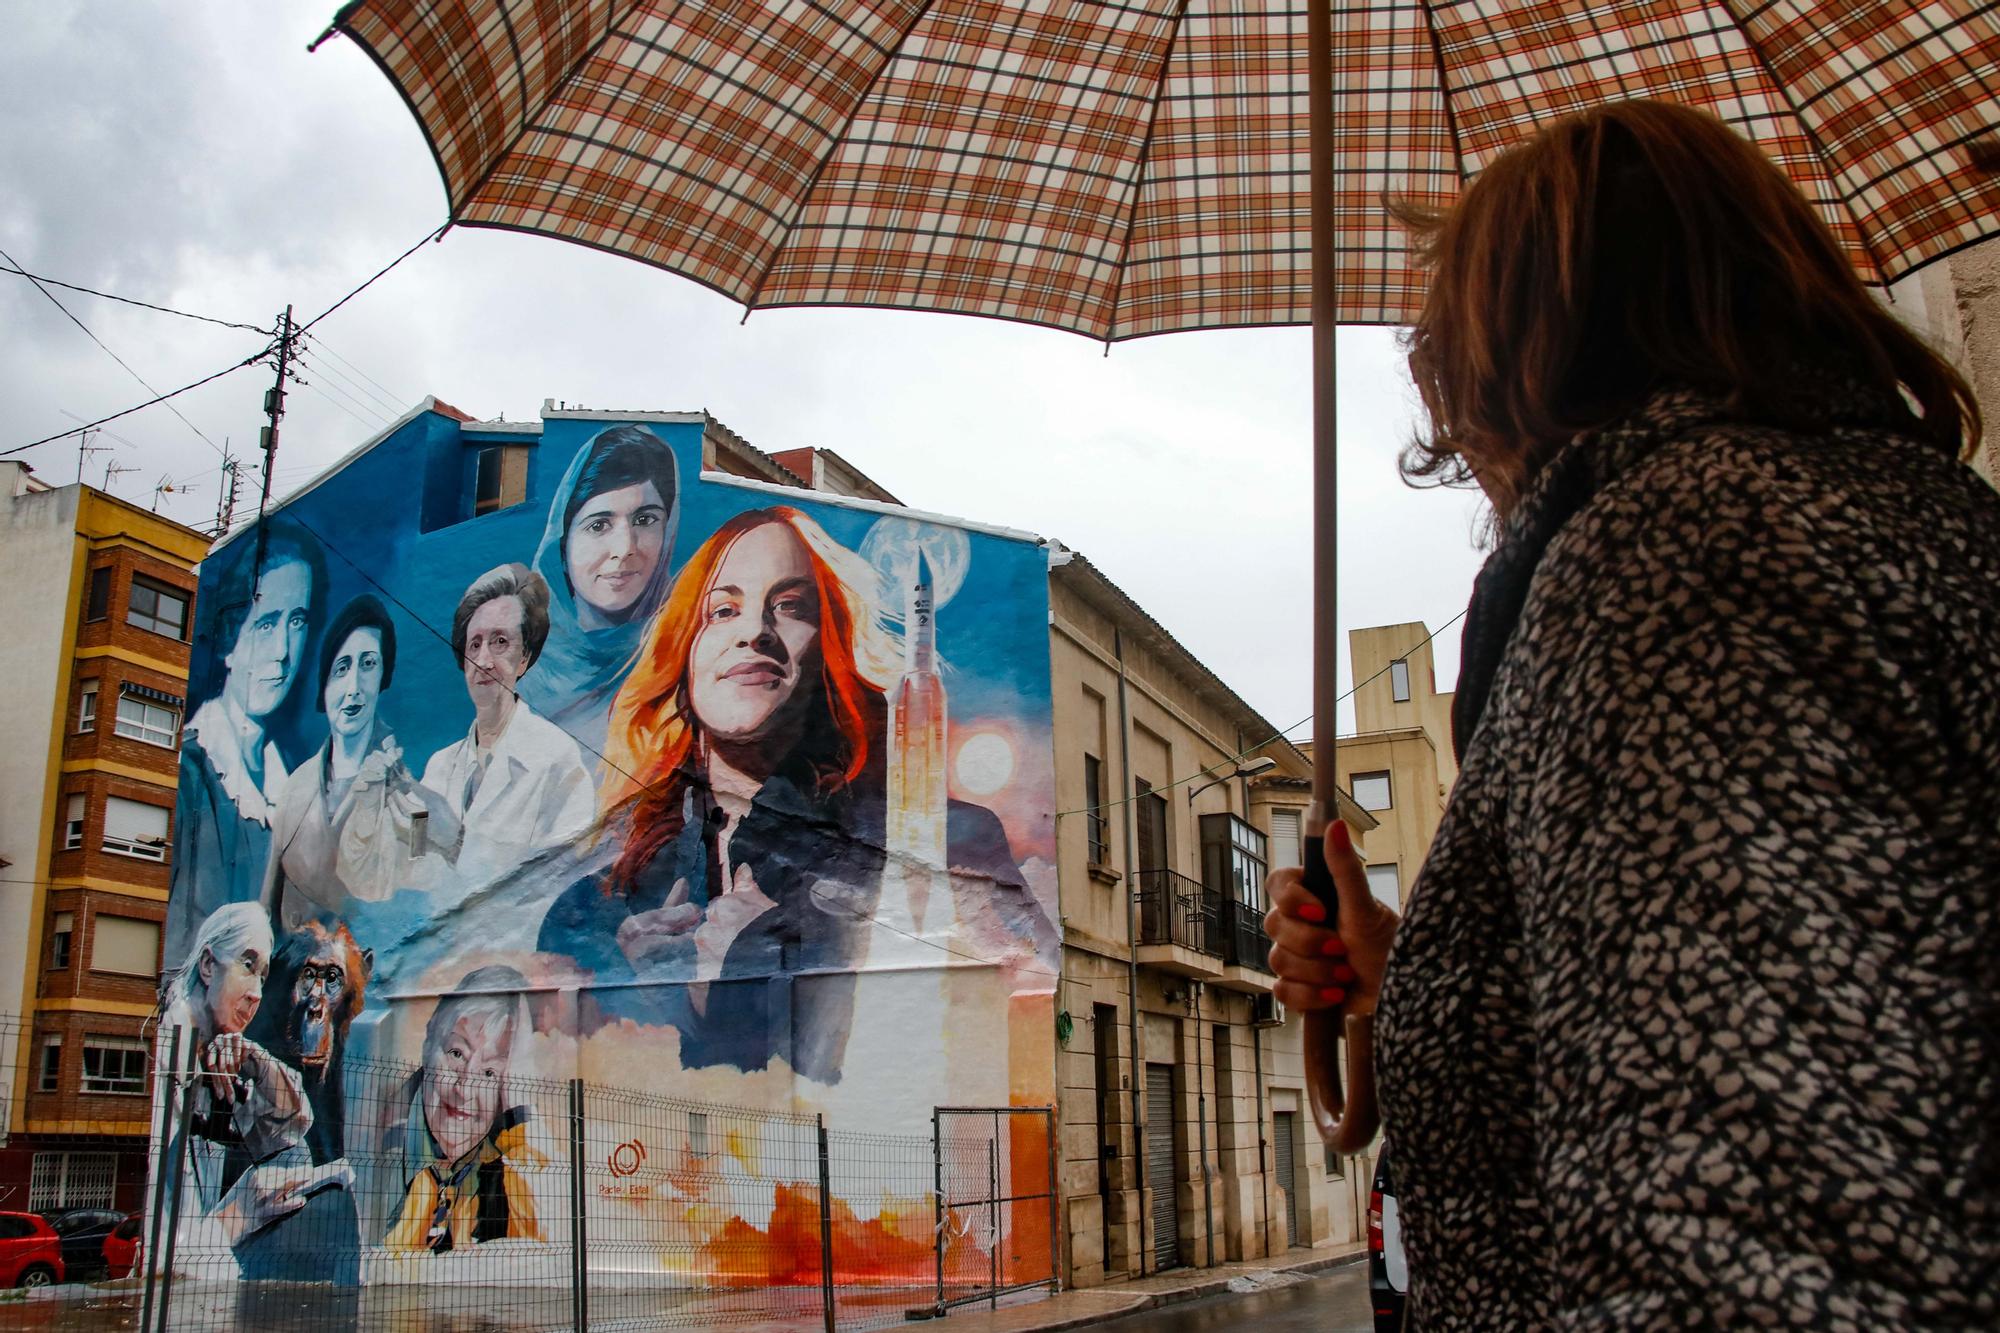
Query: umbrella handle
x=1347, y=1119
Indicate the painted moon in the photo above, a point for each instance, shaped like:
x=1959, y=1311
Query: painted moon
x=985, y=763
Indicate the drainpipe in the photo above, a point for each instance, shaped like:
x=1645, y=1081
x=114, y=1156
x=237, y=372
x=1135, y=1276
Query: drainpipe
x=1263, y=1185
x=1131, y=936
x=1201, y=1116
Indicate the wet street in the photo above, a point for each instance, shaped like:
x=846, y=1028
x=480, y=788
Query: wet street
x=1331, y=1302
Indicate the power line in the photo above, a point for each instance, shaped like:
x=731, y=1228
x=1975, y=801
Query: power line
x=343, y=400
x=158, y=398
x=432, y=236
x=1285, y=734
x=127, y=300
x=388, y=397
x=113, y=355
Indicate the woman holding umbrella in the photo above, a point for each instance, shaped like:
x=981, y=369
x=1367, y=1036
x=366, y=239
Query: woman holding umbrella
x=1692, y=1018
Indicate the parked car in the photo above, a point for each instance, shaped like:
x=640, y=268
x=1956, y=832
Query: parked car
x=83, y=1232
x=30, y=1251
x=122, y=1246
x=1388, y=1271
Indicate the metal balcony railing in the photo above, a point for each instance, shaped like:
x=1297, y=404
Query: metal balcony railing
x=1174, y=909
x=1244, y=943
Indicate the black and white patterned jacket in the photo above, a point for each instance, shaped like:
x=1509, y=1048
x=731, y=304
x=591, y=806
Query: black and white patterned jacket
x=1695, y=1017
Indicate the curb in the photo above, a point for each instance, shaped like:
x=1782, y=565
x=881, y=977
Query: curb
x=1194, y=1291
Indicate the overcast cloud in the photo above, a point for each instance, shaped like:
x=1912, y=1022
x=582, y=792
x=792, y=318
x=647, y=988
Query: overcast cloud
x=192, y=154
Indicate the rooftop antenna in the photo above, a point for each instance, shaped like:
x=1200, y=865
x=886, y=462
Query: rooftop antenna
x=113, y=469
x=232, y=481
x=84, y=448
x=166, y=485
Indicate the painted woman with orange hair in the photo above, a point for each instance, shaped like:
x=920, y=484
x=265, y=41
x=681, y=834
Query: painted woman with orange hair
x=746, y=804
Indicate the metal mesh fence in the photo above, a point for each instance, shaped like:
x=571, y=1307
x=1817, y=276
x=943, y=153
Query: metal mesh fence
x=560, y=1205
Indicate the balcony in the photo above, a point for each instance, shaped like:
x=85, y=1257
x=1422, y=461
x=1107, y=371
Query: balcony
x=1245, y=949
x=1180, y=925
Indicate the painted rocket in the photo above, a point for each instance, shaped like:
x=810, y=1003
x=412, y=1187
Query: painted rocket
x=918, y=749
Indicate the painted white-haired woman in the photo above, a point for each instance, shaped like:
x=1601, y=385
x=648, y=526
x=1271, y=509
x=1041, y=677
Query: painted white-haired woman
x=248, y=1117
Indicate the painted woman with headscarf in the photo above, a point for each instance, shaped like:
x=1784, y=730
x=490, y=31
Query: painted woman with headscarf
x=605, y=553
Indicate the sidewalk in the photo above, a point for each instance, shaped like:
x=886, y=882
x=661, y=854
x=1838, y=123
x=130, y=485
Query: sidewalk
x=1074, y=1309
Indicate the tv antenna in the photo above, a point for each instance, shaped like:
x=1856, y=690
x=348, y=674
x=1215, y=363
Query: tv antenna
x=166, y=485
x=115, y=469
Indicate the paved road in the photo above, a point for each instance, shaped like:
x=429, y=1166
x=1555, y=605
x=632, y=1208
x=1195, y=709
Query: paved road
x=1330, y=1302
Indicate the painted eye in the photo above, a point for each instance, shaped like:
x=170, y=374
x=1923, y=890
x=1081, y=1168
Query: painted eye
x=645, y=519
x=298, y=620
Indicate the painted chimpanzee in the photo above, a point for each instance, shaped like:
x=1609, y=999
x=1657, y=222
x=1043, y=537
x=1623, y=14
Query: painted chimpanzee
x=318, y=984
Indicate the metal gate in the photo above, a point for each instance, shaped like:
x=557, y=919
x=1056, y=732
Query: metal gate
x=72, y=1180
x=996, y=1201
x=1160, y=1165
x=1286, y=1129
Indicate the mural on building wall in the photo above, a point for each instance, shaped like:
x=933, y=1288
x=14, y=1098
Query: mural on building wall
x=657, y=780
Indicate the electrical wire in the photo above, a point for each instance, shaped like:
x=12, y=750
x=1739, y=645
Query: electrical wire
x=136, y=407
x=108, y=352
x=386, y=396
x=127, y=300
x=1285, y=734
x=331, y=391
x=431, y=236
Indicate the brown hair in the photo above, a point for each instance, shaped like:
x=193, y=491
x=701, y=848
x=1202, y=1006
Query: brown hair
x=1628, y=248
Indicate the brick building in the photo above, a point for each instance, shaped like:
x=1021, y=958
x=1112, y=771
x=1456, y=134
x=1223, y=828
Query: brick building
x=97, y=608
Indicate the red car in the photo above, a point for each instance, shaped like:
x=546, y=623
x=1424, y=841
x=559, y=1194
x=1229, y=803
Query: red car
x=121, y=1248
x=30, y=1253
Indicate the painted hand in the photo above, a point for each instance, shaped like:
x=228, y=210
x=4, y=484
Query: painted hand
x=648, y=939
x=1317, y=965
x=727, y=917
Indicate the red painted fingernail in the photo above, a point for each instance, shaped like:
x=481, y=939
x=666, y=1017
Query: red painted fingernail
x=1334, y=948
x=1343, y=973
x=1343, y=841
x=1312, y=911
x=1333, y=995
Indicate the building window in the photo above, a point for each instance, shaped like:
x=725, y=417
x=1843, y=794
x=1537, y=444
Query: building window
x=1152, y=814
x=115, y=1065
x=1371, y=790
x=1336, y=1165
x=72, y=1180
x=1399, y=681
x=99, y=605
x=125, y=944
x=152, y=723
x=1386, y=885
x=50, y=1068
x=156, y=607
x=1233, y=859
x=61, y=931
x=1285, y=844
x=1095, y=821
x=134, y=828
x=86, y=708
x=73, y=822
x=500, y=478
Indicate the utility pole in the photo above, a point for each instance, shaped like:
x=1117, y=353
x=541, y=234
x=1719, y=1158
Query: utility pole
x=274, y=408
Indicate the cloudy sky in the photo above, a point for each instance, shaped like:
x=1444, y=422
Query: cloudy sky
x=193, y=155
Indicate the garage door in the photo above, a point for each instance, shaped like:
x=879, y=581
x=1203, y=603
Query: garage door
x=1160, y=1165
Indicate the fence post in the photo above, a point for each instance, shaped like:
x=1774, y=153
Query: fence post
x=993, y=1204
x=579, y=1261
x=825, y=1224
x=937, y=1187
x=177, y=1178
x=1055, y=1208
x=150, y=1256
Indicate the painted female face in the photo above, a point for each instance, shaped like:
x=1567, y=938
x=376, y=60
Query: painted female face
x=236, y=984
x=759, y=636
x=462, y=1084
x=355, y=683
x=613, y=546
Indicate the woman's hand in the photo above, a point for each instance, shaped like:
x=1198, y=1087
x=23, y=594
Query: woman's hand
x=1318, y=967
x=660, y=935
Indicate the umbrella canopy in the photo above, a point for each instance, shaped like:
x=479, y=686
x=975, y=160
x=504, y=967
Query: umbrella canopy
x=1126, y=169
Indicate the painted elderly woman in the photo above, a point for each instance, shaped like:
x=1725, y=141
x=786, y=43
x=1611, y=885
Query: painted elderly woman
x=749, y=815
x=338, y=833
x=461, y=1142
x=248, y=1170
x=604, y=554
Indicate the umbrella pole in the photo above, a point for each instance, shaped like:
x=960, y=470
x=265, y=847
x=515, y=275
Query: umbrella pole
x=1346, y=1119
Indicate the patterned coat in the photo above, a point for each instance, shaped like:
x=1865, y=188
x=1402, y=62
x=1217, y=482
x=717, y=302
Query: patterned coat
x=1695, y=1017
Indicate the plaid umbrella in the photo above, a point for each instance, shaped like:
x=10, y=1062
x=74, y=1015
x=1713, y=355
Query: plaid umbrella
x=1121, y=168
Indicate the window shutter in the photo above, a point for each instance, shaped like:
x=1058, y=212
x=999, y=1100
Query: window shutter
x=135, y=828
x=125, y=944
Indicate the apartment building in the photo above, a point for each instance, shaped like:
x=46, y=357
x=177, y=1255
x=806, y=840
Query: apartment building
x=97, y=607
